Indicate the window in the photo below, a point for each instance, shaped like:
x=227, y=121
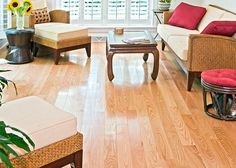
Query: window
x=105, y=12
x=73, y=6
x=92, y=9
x=116, y=9
x=139, y=10
x=3, y=14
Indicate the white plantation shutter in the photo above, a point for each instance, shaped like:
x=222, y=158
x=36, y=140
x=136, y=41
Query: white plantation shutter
x=3, y=14
x=92, y=9
x=116, y=9
x=139, y=9
x=105, y=12
x=73, y=6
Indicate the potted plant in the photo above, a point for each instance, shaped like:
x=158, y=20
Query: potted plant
x=15, y=137
x=19, y=10
x=164, y=5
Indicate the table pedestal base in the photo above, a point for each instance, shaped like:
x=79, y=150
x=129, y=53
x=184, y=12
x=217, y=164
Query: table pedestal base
x=20, y=55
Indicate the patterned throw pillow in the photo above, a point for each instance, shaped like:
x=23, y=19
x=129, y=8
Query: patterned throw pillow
x=41, y=15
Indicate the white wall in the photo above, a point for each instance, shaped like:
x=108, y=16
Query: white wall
x=226, y=4
x=175, y=3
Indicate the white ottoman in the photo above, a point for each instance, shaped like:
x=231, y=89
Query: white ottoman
x=61, y=37
x=53, y=131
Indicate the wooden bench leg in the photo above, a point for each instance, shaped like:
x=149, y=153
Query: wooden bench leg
x=35, y=49
x=88, y=50
x=56, y=56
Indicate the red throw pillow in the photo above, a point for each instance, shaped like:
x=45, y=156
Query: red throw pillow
x=224, y=28
x=187, y=16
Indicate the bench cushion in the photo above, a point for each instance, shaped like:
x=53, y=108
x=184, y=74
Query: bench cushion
x=43, y=122
x=60, y=31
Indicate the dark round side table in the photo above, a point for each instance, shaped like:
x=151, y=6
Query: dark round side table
x=20, y=45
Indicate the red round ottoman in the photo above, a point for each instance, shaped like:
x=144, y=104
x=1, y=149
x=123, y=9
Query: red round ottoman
x=221, y=85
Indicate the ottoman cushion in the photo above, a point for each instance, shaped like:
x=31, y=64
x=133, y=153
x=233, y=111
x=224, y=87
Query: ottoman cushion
x=220, y=77
x=60, y=31
x=43, y=122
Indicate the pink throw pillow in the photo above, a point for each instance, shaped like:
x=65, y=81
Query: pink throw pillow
x=224, y=28
x=187, y=16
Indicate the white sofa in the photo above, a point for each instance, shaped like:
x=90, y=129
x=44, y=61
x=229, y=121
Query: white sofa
x=196, y=52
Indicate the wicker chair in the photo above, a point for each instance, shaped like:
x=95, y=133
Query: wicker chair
x=205, y=52
x=53, y=131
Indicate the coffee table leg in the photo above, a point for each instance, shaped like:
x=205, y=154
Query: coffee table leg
x=145, y=57
x=156, y=64
x=109, y=66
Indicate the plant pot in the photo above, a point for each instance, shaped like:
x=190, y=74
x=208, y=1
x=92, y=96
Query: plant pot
x=163, y=6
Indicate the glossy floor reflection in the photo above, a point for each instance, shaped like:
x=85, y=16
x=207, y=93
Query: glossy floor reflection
x=132, y=122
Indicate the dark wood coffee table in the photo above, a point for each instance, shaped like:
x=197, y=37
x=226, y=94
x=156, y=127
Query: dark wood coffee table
x=115, y=45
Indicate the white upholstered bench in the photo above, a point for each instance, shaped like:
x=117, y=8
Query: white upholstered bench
x=54, y=132
x=61, y=37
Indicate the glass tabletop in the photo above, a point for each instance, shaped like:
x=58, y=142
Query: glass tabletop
x=114, y=39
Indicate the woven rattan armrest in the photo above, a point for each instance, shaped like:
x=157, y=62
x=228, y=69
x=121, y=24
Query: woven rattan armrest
x=60, y=16
x=210, y=52
x=51, y=154
x=166, y=16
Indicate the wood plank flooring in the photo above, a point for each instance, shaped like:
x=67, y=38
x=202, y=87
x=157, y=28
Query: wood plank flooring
x=132, y=122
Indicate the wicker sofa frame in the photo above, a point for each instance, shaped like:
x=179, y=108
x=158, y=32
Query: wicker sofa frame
x=205, y=52
x=59, y=154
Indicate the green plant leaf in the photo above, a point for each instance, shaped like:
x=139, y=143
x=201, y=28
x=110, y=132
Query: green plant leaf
x=19, y=142
x=24, y=134
x=3, y=128
x=3, y=81
x=5, y=159
x=9, y=149
x=4, y=139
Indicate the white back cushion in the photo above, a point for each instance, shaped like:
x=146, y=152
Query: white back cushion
x=228, y=16
x=212, y=14
x=39, y=4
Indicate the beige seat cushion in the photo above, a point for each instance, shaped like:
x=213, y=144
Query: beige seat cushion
x=165, y=31
x=60, y=31
x=179, y=44
x=43, y=122
x=212, y=14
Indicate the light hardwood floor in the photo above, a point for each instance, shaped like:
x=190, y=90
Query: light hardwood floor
x=132, y=122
